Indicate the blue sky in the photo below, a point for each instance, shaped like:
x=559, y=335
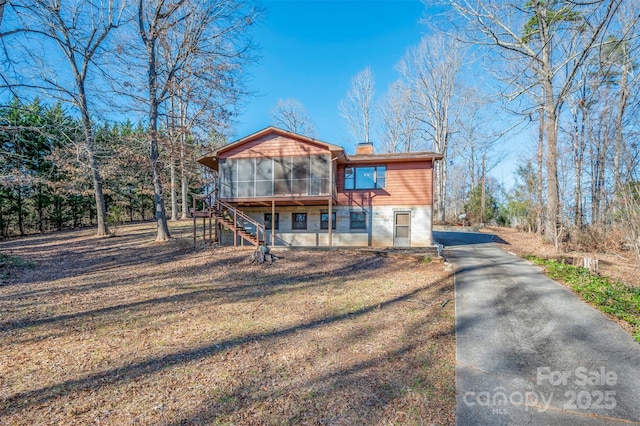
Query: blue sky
x=310, y=50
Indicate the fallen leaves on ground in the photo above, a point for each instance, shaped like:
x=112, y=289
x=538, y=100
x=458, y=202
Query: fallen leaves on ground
x=126, y=331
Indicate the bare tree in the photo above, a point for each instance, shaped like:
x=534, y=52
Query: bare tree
x=431, y=70
x=628, y=201
x=400, y=130
x=617, y=59
x=356, y=108
x=194, y=108
x=78, y=31
x=539, y=37
x=2, y=5
x=193, y=39
x=477, y=136
x=174, y=132
x=290, y=114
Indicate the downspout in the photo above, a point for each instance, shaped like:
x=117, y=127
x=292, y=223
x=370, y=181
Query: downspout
x=330, y=207
x=433, y=163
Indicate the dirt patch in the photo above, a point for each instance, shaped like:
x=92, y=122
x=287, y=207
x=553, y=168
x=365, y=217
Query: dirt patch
x=124, y=330
x=616, y=264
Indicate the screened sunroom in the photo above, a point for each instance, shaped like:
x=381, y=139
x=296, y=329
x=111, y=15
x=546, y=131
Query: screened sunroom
x=268, y=177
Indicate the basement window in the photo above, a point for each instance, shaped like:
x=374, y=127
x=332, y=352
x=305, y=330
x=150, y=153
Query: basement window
x=358, y=220
x=267, y=221
x=324, y=220
x=299, y=221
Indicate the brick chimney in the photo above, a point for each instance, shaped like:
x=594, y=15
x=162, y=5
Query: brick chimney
x=364, y=148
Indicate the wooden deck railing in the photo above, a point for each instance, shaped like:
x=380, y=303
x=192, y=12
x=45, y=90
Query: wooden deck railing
x=230, y=217
x=245, y=226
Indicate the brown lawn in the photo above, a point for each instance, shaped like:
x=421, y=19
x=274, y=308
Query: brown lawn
x=126, y=331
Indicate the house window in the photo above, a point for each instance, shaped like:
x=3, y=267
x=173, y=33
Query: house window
x=324, y=220
x=267, y=221
x=358, y=220
x=299, y=221
x=369, y=177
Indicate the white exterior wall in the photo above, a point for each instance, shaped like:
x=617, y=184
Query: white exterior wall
x=382, y=225
x=379, y=232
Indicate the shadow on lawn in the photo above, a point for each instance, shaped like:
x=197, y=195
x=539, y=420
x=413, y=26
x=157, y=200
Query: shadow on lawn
x=75, y=253
x=125, y=374
x=110, y=280
x=218, y=290
x=369, y=387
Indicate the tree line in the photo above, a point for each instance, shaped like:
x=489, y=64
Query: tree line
x=178, y=65
x=45, y=183
x=557, y=77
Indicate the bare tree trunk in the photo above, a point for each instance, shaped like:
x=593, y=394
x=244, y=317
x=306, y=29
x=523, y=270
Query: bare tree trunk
x=482, y=195
x=551, y=126
x=441, y=182
x=40, y=208
x=593, y=151
x=173, y=131
x=189, y=40
x=174, y=188
x=20, y=209
x=472, y=163
x=182, y=106
x=150, y=40
x=183, y=177
x=431, y=69
x=622, y=105
x=158, y=199
x=540, y=190
x=601, y=172
x=578, y=158
x=101, y=209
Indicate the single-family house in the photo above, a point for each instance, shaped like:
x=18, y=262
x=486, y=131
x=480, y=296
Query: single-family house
x=288, y=189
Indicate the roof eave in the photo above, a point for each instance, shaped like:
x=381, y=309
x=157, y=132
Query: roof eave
x=394, y=158
x=209, y=161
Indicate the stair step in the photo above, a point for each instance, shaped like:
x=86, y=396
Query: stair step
x=223, y=217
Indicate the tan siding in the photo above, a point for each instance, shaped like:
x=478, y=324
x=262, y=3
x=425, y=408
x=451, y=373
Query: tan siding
x=273, y=146
x=406, y=184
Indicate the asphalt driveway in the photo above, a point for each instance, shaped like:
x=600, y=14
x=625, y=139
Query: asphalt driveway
x=529, y=351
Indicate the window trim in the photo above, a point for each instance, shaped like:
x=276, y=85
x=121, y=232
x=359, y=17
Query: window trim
x=376, y=171
x=294, y=221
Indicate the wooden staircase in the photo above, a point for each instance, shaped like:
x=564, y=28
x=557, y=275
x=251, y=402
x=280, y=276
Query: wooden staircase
x=239, y=223
x=230, y=218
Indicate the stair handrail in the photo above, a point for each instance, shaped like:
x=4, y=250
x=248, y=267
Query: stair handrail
x=208, y=197
x=260, y=228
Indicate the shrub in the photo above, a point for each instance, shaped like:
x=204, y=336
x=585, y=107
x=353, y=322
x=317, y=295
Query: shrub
x=612, y=297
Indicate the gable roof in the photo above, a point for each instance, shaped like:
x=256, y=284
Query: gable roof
x=210, y=159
